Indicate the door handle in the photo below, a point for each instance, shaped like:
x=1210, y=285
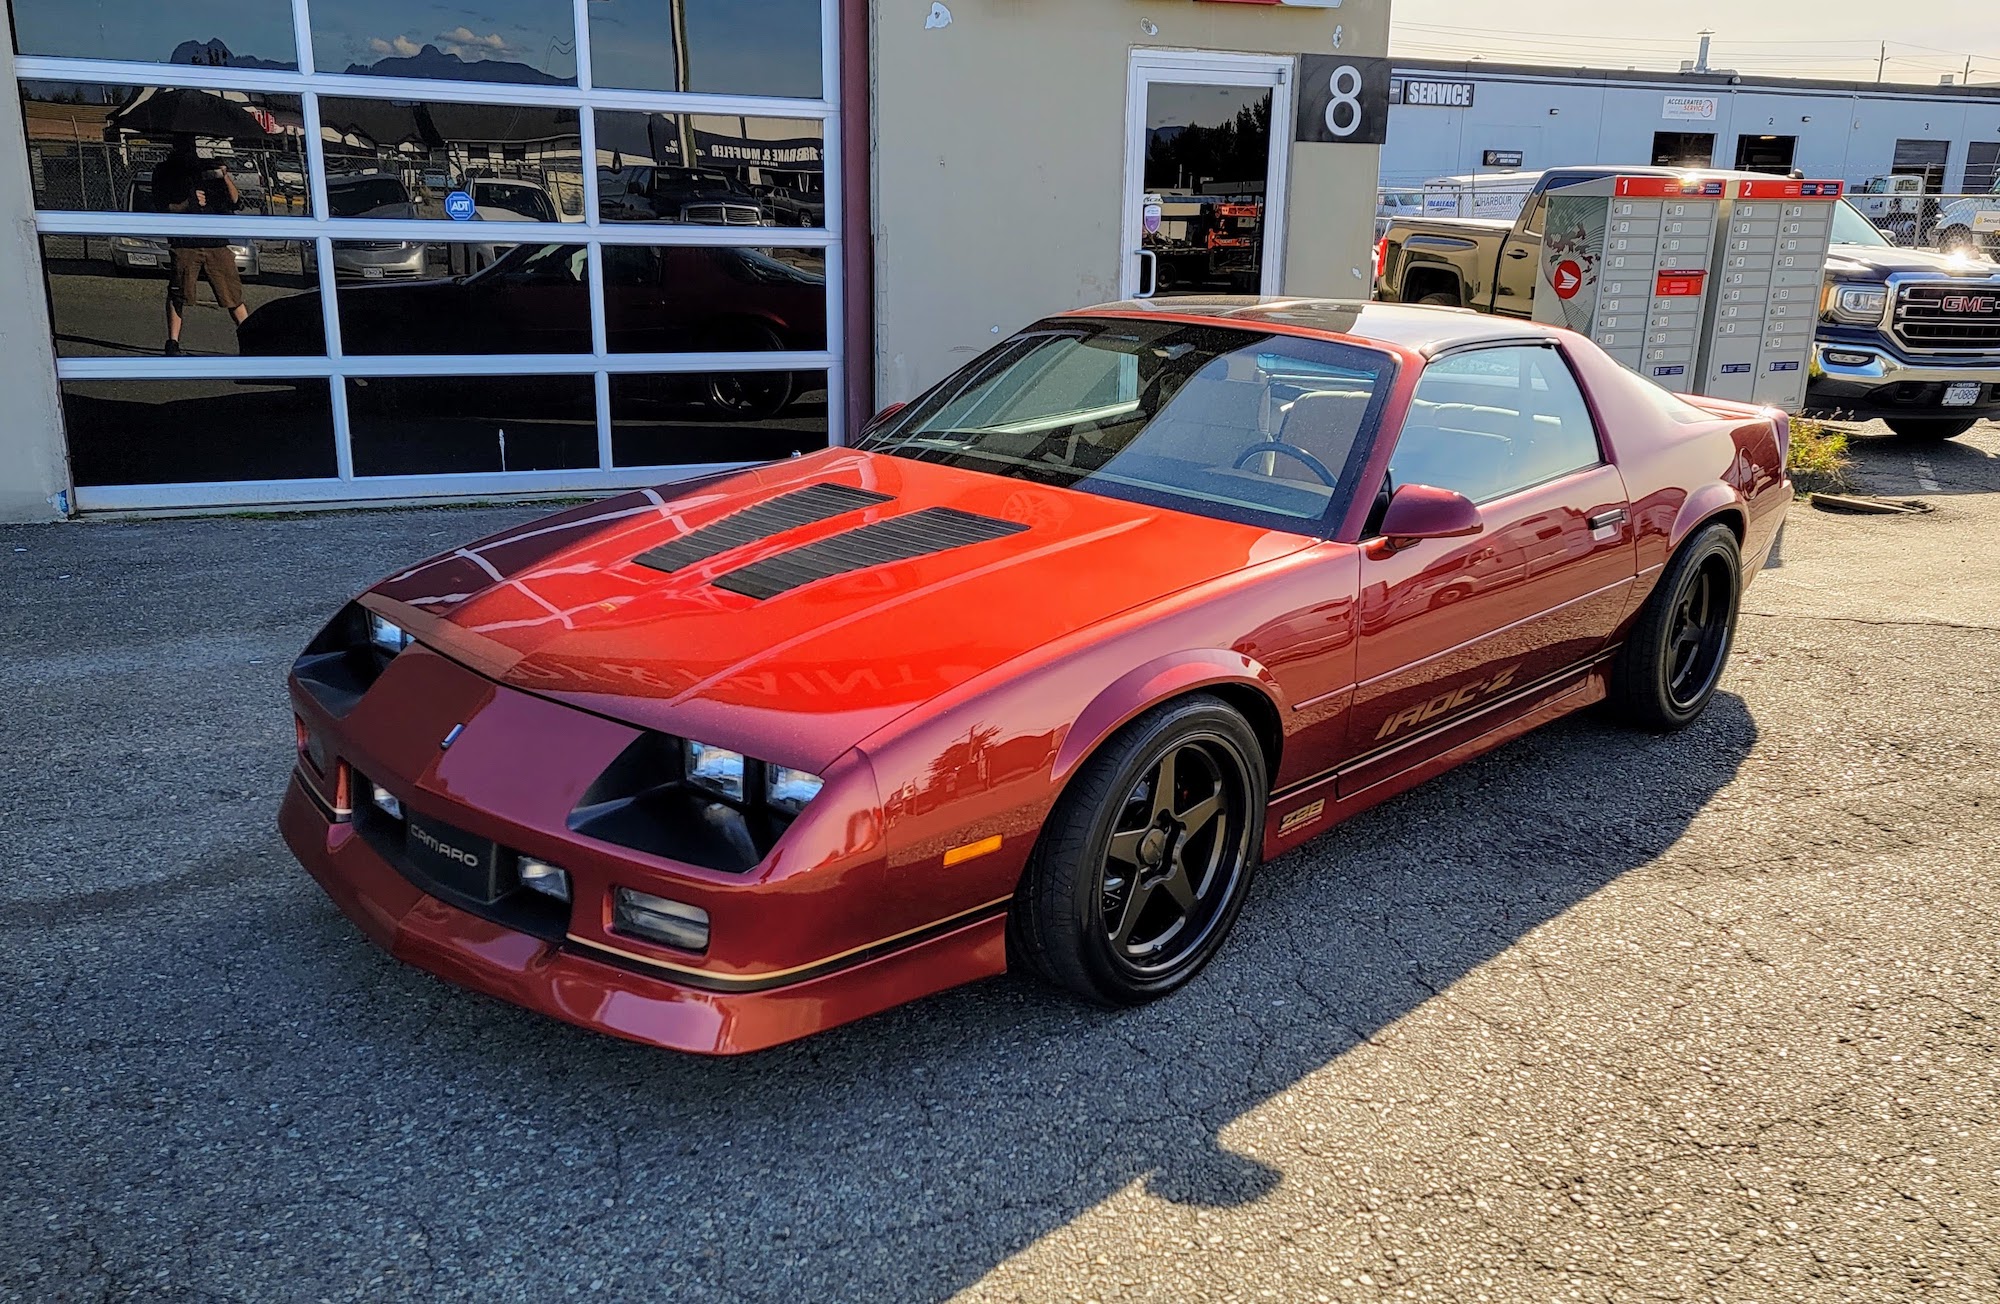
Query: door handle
x=1616, y=516
x=1148, y=285
x=1517, y=253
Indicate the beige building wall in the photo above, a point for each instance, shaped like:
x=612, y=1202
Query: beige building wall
x=34, y=466
x=1000, y=163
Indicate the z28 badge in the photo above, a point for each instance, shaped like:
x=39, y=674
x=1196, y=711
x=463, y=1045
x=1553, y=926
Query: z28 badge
x=1447, y=702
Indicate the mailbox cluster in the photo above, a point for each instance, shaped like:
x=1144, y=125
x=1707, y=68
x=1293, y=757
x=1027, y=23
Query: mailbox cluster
x=1703, y=285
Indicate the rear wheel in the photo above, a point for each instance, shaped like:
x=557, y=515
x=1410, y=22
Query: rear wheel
x=1669, y=667
x=1929, y=429
x=1440, y=299
x=1958, y=240
x=1143, y=866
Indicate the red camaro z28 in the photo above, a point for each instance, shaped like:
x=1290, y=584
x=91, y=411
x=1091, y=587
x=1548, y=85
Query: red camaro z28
x=1035, y=676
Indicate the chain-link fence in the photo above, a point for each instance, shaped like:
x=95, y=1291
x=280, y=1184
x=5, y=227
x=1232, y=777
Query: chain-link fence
x=98, y=176
x=1963, y=224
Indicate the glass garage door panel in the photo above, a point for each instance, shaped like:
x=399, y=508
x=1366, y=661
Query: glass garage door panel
x=108, y=295
x=94, y=147
x=702, y=169
x=691, y=299
x=714, y=47
x=198, y=431
x=217, y=33
x=398, y=160
x=529, y=42
x=465, y=425
x=414, y=299
x=689, y=420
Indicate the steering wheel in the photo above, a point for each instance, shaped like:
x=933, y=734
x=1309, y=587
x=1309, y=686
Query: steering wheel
x=1313, y=464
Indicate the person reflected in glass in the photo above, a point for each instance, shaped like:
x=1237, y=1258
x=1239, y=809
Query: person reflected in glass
x=185, y=182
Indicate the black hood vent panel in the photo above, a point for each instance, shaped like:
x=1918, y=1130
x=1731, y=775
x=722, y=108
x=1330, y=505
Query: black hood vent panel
x=933, y=530
x=822, y=502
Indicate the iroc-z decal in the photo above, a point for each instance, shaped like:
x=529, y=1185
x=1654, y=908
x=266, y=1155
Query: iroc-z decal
x=1445, y=703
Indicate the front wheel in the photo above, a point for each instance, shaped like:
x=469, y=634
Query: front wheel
x=1959, y=240
x=1142, y=867
x=1930, y=429
x=1669, y=667
x=1440, y=300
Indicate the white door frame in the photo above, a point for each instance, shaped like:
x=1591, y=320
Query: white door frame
x=1206, y=68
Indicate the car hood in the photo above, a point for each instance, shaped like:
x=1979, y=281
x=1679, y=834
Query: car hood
x=1851, y=261
x=562, y=608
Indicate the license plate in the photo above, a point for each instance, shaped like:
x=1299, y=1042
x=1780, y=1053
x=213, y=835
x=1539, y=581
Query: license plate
x=1963, y=394
x=371, y=273
x=454, y=859
x=145, y=260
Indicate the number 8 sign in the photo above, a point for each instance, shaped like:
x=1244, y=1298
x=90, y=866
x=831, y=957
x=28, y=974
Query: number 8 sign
x=1343, y=100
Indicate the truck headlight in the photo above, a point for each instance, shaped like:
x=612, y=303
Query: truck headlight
x=1862, y=304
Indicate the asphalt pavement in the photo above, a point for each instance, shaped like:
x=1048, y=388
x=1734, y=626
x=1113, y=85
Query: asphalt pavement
x=1599, y=1017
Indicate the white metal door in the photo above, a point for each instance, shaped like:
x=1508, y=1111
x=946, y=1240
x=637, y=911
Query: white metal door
x=1188, y=226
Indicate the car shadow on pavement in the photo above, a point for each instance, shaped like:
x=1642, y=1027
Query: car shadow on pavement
x=905, y=1156
x=1881, y=463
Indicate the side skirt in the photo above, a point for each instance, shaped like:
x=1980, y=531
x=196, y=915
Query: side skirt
x=1303, y=812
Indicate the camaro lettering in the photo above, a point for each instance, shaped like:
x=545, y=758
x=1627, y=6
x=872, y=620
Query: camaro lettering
x=1446, y=703
x=444, y=848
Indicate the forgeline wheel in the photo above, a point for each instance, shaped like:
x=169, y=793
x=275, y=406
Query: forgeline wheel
x=1926, y=430
x=1145, y=861
x=1668, y=669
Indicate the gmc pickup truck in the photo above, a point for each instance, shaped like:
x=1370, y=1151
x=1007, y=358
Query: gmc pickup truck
x=1905, y=335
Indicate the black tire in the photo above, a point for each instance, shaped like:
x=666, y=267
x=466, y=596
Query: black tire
x=1441, y=300
x=1927, y=430
x=1111, y=938
x=1668, y=669
x=1958, y=240
x=750, y=395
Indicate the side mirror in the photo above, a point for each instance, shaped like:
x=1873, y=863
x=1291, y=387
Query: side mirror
x=1420, y=511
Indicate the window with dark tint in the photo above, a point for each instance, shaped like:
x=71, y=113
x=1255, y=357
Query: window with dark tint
x=108, y=296
x=532, y=42
x=1928, y=159
x=711, y=300
x=97, y=148
x=1982, y=167
x=454, y=425
x=400, y=160
x=710, y=170
x=212, y=33
x=1490, y=422
x=1235, y=424
x=189, y=431
x=716, y=47
x=725, y=417
x=524, y=299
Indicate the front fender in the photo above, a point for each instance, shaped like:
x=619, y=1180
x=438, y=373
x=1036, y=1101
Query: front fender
x=1139, y=690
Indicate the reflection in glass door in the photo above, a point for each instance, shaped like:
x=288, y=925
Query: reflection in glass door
x=1205, y=174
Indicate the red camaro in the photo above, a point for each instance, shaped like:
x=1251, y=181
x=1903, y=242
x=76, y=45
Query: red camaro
x=1033, y=677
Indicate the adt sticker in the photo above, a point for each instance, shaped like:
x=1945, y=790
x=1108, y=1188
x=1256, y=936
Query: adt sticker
x=458, y=206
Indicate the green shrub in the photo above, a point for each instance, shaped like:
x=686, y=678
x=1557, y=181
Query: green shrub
x=1819, y=458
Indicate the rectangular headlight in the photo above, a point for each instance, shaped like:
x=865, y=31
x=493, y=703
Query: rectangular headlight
x=657, y=919
x=717, y=769
x=540, y=876
x=789, y=790
x=385, y=801
x=1859, y=303
x=386, y=636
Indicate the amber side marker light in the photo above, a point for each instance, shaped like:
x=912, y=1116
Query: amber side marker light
x=972, y=851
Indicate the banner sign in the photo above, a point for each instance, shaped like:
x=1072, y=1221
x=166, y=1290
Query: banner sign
x=1431, y=94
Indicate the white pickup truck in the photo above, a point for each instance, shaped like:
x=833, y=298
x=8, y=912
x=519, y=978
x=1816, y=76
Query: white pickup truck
x=1971, y=225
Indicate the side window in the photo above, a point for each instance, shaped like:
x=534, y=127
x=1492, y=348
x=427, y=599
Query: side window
x=1493, y=421
x=1538, y=207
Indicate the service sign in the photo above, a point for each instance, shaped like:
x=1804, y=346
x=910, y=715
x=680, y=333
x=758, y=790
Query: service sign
x=1431, y=94
x=1691, y=108
x=1343, y=101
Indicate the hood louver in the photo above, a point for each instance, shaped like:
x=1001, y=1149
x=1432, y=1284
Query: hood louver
x=933, y=530
x=822, y=502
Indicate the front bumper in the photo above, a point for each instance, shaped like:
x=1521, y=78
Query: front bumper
x=1869, y=381
x=595, y=990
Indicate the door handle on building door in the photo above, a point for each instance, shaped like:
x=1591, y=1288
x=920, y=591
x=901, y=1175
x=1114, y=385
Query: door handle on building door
x=1148, y=285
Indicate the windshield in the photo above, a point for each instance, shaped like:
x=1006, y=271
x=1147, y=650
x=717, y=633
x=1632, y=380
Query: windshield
x=1850, y=227
x=525, y=200
x=353, y=198
x=1234, y=424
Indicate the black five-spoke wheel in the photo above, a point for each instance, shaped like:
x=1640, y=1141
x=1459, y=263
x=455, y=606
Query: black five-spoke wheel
x=1142, y=867
x=1670, y=664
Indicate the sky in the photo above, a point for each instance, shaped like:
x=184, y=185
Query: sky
x=1788, y=38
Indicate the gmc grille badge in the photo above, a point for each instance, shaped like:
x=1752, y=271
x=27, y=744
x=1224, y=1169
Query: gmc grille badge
x=451, y=737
